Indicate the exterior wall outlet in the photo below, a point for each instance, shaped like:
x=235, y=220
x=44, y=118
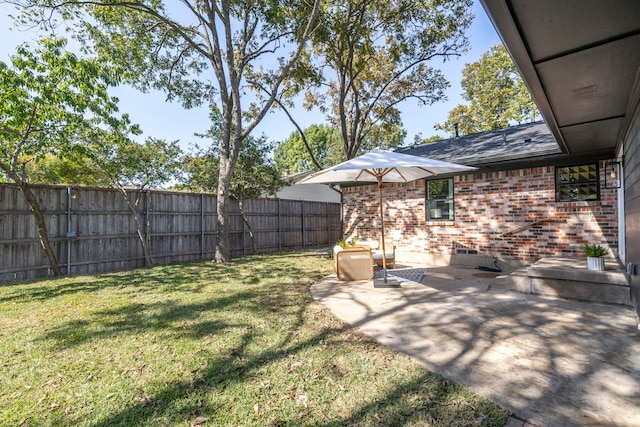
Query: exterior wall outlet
x=631, y=269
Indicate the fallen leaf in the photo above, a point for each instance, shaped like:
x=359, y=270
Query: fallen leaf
x=50, y=382
x=265, y=385
x=302, y=400
x=144, y=401
x=198, y=421
x=197, y=380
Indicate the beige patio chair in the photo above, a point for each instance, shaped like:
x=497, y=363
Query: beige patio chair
x=353, y=263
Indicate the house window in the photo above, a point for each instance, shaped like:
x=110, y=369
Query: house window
x=577, y=183
x=440, y=200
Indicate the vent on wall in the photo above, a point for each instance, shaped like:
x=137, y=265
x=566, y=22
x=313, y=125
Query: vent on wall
x=466, y=251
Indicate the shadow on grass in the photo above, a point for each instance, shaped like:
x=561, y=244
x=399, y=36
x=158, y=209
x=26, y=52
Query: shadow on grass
x=173, y=316
x=427, y=400
x=284, y=303
x=189, y=277
x=217, y=376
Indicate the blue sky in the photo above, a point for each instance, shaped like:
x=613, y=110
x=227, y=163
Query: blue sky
x=168, y=121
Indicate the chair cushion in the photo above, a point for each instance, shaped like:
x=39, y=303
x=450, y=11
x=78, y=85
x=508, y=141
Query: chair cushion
x=377, y=255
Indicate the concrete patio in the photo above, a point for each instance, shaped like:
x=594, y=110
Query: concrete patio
x=550, y=361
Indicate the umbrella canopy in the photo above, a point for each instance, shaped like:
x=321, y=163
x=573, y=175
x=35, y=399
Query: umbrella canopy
x=384, y=166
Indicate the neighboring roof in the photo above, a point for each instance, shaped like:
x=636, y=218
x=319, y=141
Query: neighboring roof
x=580, y=60
x=513, y=143
x=308, y=192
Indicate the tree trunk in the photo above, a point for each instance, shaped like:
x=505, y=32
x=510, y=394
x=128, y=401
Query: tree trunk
x=246, y=222
x=142, y=235
x=42, y=227
x=223, y=250
x=37, y=213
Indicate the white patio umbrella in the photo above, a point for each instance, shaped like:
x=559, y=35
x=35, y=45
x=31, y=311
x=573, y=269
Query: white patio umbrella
x=384, y=166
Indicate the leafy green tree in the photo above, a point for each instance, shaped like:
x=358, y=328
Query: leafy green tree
x=325, y=142
x=126, y=165
x=131, y=168
x=254, y=176
x=72, y=169
x=234, y=53
x=120, y=163
x=496, y=94
x=372, y=56
x=418, y=139
x=53, y=104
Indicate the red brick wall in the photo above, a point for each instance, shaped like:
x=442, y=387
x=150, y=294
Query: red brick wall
x=496, y=213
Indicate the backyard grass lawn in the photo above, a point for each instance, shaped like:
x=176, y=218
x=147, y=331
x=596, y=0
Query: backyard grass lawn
x=204, y=344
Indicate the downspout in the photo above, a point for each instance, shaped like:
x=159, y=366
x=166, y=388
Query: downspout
x=622, y=241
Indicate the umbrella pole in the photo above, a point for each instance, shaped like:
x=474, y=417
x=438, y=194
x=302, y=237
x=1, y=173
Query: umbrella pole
x=384, y=252
x=385, y=283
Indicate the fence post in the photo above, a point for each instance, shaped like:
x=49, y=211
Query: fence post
x=326, y=211
x=279, y=229
x=303, y=244
x=244, y=227
x=201, y=225
x=69, y=232
x=147, y=222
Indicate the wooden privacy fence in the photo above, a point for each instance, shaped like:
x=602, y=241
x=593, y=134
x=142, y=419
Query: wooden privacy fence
x=92, y=229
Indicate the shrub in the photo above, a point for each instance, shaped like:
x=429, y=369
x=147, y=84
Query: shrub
x=594, y=250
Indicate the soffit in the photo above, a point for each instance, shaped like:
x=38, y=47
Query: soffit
x=580, y=60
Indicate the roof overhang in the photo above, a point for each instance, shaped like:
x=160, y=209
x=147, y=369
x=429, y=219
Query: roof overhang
x=581, y=62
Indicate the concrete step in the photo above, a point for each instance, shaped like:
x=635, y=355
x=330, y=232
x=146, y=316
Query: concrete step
x=519, y=281
x=569, y=278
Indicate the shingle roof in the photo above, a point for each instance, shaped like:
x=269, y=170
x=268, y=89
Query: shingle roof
x=513, y=144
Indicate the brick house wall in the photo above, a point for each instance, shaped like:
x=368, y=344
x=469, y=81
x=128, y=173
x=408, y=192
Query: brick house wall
x=511, y=215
